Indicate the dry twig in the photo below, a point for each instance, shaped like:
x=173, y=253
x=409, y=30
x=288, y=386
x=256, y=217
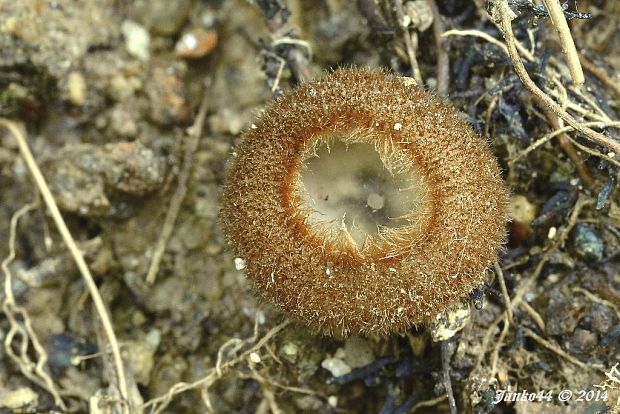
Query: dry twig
x=428, y=403
x=538, y=320
x=525, y=287
x=447, y=383
x=485, y=36
x=276, y=17
x=600, y=73
x=443, y=59
x=35, y=372
x=556, y=14
x=551, y=135
x=502, y=285
x=596, y=299
x=498, y=346
x=78, y=257
x=399, y=14
x=594, y=153
x=555, y=348
x=194, y=132
x=569, y=149
x=159, y=404
x=502, y=13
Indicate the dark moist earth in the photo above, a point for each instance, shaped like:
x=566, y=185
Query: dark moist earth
x=106, y=100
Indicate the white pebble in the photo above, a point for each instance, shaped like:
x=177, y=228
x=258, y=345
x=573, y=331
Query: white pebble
x=137, y=39
x=239, y=263
x=337, y=367
x=332, y=400
x=77, y=88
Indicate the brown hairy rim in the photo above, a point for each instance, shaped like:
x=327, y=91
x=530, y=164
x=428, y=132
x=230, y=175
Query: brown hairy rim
x=401, y=276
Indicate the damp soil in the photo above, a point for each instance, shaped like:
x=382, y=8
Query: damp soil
x=107, y=95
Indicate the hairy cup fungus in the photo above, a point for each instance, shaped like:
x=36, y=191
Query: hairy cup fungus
x=360, y=203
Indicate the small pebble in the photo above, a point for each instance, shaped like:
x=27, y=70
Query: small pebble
x=587, y=242
x=239, y=263
x=419, y=14
x=137, y=40
x=19, y=400
x=447, y=324
x=308, y=403
x=167, y=94
x=332, y=400
x=76, y=84
x=140, y=356
x=582, y=341
x=196, y=43
x=561, y=317
x=336, y=366
x=601, y=318
x=290, y=351
x=521, y=209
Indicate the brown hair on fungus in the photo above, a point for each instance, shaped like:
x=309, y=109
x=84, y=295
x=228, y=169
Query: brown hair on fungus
x=399, y=275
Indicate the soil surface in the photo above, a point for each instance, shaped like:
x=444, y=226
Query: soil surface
x=108, y=95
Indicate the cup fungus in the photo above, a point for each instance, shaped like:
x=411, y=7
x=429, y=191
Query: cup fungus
x=360, y=203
